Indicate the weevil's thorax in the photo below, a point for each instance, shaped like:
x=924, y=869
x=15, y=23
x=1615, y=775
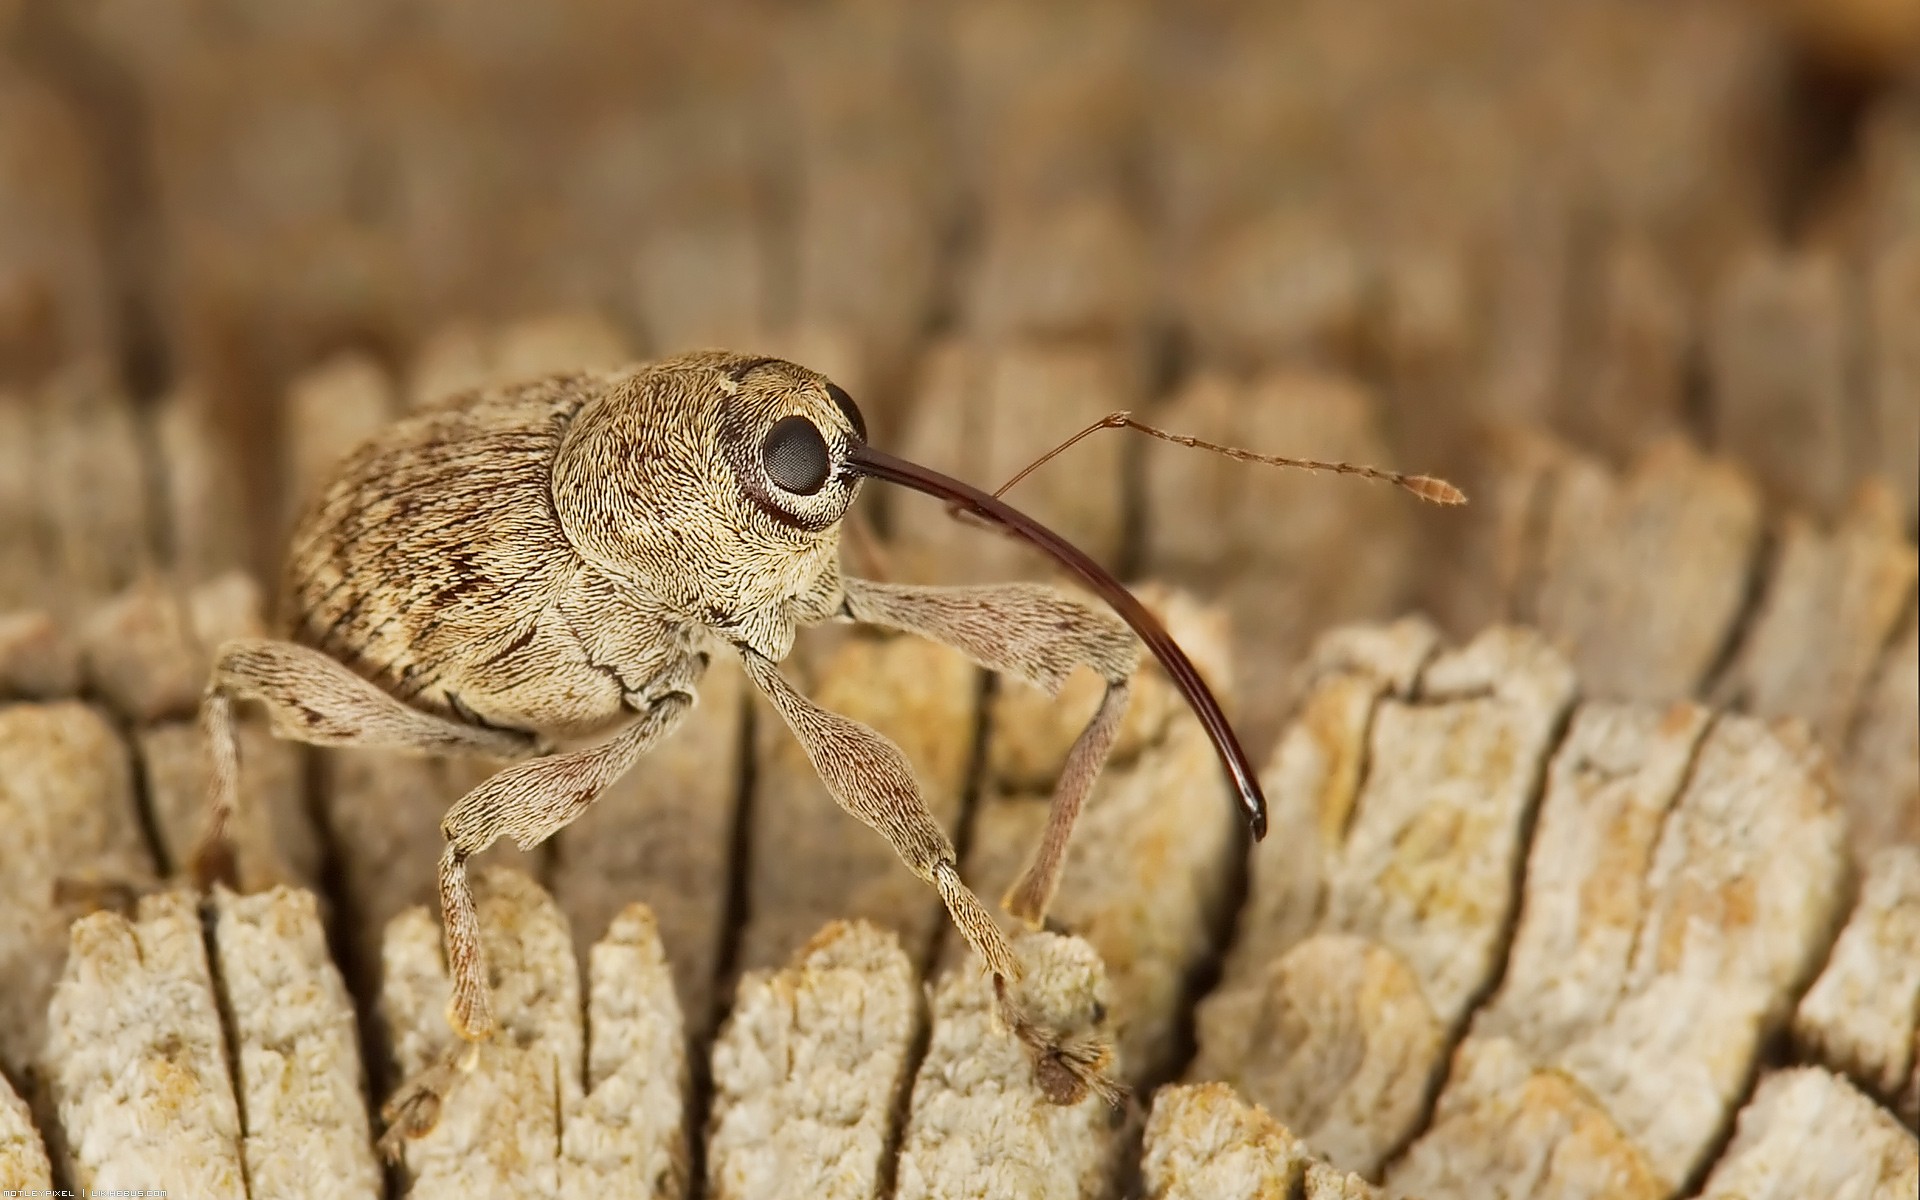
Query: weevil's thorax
x=660, y=483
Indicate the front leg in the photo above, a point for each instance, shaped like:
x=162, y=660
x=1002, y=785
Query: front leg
x=529, y=802
x=1035, y=633
x=870, y=778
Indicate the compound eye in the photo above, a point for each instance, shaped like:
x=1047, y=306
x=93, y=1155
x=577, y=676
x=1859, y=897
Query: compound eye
x=795, y=456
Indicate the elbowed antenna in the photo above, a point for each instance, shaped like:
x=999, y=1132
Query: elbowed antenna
x=881, y=465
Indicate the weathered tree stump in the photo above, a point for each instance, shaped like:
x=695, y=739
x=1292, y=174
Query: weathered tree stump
x=1596, y=880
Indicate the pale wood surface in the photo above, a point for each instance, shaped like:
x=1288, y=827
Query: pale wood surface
x=976, y=1125
x=1881, y=769
x=1859, y=1015
x=137, y=1060
x=1833, y=604
x=295, y=1053
x=23, y=1153
x=67, y=798
x=1808, y=1133
x=1341, y=1036
x=1666, y=1049
x=1643, y=578
x=809, y=1067
x=1204, y=1142
x=1504, y=940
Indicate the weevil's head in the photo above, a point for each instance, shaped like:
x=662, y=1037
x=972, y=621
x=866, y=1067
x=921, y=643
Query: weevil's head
x=716, y=482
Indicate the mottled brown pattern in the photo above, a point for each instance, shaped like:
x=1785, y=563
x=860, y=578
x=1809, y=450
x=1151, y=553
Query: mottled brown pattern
x=435, y=567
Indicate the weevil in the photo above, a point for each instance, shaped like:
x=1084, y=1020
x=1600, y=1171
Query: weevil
x=542, y=572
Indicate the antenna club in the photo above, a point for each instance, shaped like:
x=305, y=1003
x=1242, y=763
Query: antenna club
x=1435, y=491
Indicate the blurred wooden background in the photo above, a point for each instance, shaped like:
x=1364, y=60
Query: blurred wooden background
x=1643, y=278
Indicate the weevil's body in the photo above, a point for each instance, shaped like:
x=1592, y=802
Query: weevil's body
x=543, y=558
x=542, y=572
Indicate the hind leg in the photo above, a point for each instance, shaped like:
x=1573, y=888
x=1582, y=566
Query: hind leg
x=309, y=698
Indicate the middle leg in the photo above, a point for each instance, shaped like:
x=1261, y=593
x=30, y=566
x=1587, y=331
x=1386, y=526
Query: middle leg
x=529, y=802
